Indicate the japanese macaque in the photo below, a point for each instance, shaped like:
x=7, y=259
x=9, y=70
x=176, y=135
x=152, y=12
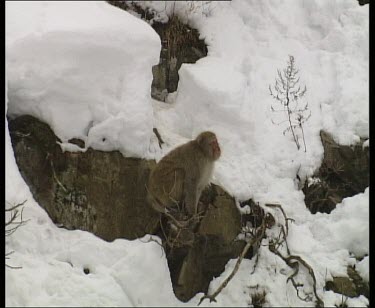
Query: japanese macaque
x=180, y=176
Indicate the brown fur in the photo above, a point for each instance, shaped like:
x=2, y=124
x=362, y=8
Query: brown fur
x=183, y=173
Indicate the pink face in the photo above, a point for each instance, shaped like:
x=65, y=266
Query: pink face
x=215, y=148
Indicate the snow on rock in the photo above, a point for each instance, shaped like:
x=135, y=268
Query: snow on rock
x=53, y=261
x=75, y=268
x=227, y=92
x=346, y=225
x=15, y=187
x=72, y=64
x=363, y=268
x=85, y=69
x=203, y=101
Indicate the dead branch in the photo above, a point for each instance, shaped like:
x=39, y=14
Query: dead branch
x=287, y=92
x=255, y=263
x=156, y=132
x=276, y=205
x=292, y=261
x=55, y=177
x=255, y=241
x=7, y=258
x=13, y=267
x=282, y=240
x=12, y=225
x=151, y=239
x=15, y=206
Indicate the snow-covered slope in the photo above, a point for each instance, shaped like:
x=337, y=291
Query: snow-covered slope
x=85, y=68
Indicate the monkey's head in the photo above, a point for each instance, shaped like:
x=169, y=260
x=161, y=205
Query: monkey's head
x=209, y=145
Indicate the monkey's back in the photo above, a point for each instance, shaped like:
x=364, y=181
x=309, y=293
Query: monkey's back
x=166, y=181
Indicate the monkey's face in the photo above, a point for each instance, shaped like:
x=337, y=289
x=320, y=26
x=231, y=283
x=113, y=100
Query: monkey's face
x=215, y=148
x=210, y=146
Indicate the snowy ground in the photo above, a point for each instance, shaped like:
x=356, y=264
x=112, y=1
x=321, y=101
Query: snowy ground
x=85, y=68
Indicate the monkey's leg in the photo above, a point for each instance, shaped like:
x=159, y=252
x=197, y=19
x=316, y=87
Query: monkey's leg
x=191, y=196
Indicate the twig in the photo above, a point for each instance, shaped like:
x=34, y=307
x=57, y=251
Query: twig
x=155, y=130
x=160, y=208
x=15, y=213
x=255, y=263
x=13, y=267
x=303, y=135
x=290, y=260
x=56, y=179
x=279, y=241
x=255, y=240
x=10, y=266
x=287, y=93
x=276, y=205
x=14, y=207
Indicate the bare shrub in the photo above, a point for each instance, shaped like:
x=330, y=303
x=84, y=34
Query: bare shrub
x=287, y=92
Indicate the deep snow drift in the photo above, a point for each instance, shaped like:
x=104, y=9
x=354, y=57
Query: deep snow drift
x=85, y=69
x=84, y=72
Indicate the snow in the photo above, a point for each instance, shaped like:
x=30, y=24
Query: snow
x=347, y=218
x=85, y=73
x=85, y=69
x=362, y=268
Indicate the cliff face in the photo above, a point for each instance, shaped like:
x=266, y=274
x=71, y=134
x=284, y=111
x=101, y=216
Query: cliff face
x=105, y=193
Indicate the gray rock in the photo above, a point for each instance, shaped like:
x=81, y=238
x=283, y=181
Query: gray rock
x=104, y=193
x=351, y=286
x=344, y=173
x=100, y=192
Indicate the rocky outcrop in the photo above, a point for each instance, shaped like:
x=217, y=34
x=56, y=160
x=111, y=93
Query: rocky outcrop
x=192, y=269
x=180, y=44
x=344, y=173
x=351, y=286
x=104, y=193
x=363, y=2
x=100, y=192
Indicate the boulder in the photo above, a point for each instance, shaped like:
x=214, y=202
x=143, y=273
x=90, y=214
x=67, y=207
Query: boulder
x=351, y=286
x=95, y=191
x=104, y=193
x=344, y=172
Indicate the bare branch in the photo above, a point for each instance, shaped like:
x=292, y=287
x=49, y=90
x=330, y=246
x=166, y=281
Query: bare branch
x=286, y=93
x=15, y=206
x=56, y=178
x=12, y=224
x=292, y=261
x=15, y=213
x=156, y=132
x=255, y=240
x=13, y=267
